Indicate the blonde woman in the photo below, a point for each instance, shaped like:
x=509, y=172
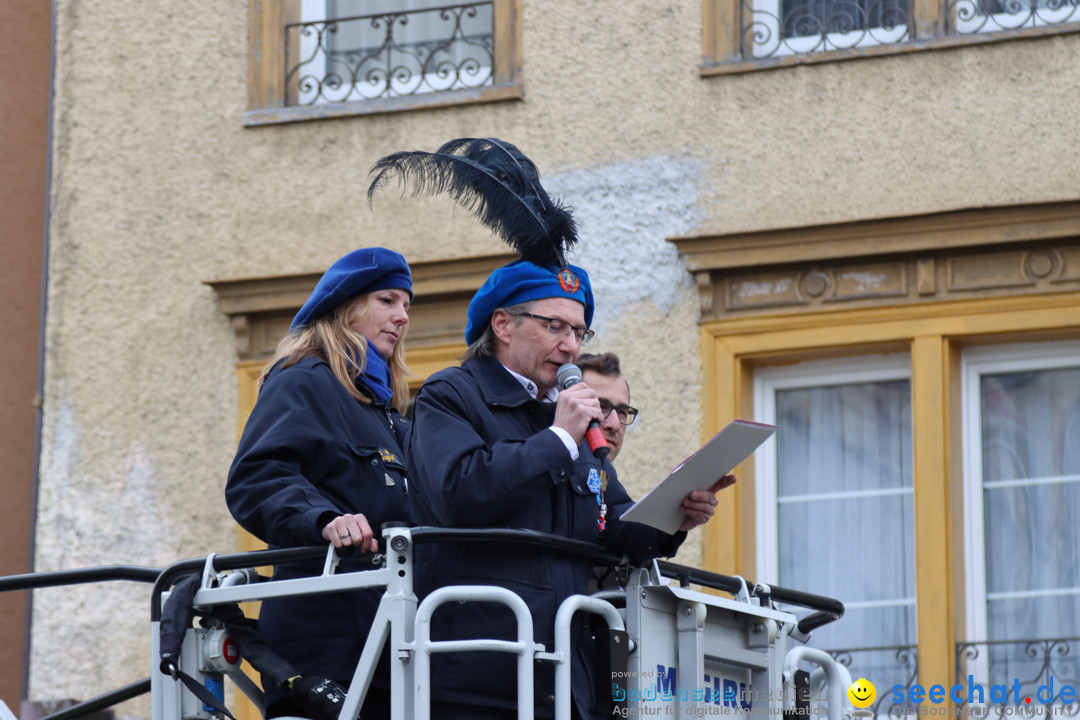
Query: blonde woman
x=320, y=460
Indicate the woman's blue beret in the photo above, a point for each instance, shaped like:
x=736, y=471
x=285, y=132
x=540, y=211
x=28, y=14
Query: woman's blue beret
x=361, y=271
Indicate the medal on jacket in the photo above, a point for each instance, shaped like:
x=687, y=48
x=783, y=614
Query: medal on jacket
x=598, y=484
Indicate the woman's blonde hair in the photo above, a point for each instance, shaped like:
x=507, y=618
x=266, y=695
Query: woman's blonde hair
x=332, y=339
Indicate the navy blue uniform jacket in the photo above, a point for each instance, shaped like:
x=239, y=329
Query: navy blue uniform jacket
x=481, y=455
x=309, y=453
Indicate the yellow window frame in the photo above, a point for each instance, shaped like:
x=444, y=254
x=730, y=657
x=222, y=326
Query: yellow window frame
x=935, y=335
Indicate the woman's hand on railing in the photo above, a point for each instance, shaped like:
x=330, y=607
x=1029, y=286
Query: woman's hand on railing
x=351, y=531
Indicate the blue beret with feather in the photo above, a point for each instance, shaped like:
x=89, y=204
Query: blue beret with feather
x=501, y=186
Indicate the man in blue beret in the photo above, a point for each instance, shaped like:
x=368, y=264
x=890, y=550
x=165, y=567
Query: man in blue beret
x=496, y=444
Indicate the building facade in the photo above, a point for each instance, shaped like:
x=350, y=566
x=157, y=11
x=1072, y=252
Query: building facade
x=859, y=222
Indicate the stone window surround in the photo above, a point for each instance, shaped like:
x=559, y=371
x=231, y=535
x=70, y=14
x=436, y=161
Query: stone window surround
x=954, y=255
x=964, y=254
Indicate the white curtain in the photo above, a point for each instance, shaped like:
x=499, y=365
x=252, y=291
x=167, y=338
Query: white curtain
x=1030, y=434
x=845, y=516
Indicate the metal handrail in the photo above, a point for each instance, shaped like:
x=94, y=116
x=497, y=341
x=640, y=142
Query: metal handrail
x=101, y=702
x=232, y=561
x=56, y=578
x=106, y=573
x=828, y=609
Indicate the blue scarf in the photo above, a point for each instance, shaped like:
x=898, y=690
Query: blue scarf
x=376, y=376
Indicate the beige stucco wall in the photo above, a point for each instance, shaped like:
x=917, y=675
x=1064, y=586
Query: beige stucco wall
x=156, y=188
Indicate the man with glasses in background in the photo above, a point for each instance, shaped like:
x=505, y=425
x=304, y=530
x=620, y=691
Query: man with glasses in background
x=602, y=374
x=496, y=443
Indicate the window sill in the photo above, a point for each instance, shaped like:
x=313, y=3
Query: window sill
x=739, y=66
x=472, y=96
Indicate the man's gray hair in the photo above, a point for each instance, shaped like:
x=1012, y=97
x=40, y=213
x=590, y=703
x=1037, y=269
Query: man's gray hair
x=485, y=344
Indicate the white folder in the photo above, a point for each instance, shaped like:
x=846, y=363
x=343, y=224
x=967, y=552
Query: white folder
x=659, y=507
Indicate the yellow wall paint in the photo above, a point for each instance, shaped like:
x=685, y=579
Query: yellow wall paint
x=933, y=581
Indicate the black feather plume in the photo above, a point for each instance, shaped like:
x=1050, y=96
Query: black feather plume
x=498, y=184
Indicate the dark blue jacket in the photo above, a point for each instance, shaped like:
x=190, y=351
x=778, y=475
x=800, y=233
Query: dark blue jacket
x=481, y=455
x=309, y=453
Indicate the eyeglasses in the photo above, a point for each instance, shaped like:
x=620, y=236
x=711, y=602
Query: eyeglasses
x=562, y=328
x=627, y=415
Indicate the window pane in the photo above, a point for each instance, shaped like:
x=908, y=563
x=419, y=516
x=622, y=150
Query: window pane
x=1031, y=490
x=786, y=27
x=844, y=438
x=1031, y=424
x=814, y=17
x=976, y=16
x=348, y=50
x=1022, y=489
x=883, y=573
x=845, y=517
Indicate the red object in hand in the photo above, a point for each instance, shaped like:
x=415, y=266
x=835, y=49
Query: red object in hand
x=595, y=437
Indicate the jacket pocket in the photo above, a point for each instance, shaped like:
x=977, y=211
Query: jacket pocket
x=387, y=466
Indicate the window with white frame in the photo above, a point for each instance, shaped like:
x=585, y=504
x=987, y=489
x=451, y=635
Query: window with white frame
x=769, y=33
x=1021, y=494
x=788, y=27
x=835, y=503
x=349, y=50
x=981, y=16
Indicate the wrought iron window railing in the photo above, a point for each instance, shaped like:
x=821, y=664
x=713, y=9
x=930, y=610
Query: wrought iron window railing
x=886, y=667
x=795, y=27
x=1019, y=670
x=402, y=53
x=1029, y=676
x=977, y=16
x=778, y=28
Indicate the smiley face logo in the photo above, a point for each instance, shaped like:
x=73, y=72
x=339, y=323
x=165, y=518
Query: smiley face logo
x=862, y=693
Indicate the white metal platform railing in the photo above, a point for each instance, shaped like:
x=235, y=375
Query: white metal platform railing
x=683, y=646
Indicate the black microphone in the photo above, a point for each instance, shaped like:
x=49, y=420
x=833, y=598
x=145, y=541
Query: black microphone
x=567, y=376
